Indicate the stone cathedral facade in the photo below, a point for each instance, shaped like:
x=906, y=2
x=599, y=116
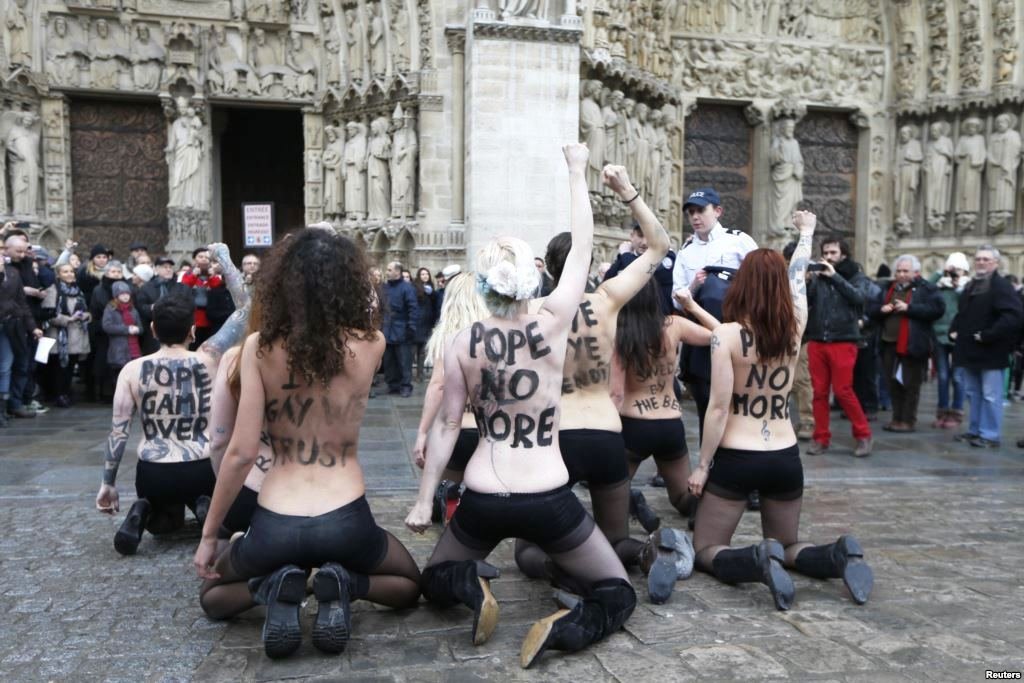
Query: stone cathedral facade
x=423, y=127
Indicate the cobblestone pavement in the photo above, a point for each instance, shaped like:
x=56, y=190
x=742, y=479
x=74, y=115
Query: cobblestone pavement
x=941, y=523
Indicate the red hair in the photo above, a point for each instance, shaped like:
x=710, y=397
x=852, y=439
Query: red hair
x=760, y=299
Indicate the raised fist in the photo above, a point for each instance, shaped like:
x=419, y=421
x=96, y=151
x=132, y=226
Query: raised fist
x=804, y=221
x=616, y=179
x=576, y=155
x=219, y=252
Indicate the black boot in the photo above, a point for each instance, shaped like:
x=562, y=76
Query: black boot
x=600, y=613
x=202, y=508
x=643, y=513
x=843, y=559
x=665, y=557
x=754, y=501
x=128, y=537
x=762, y=562
x=562, y=580
x=466, y=582
x=445, y=496
x=282, y=592
x=333, y=591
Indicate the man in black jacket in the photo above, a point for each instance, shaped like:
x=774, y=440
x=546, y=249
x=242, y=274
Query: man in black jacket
x=835, y=305
x=908, y=309
x=162, y=284
x=400, y=310
x=985, y=331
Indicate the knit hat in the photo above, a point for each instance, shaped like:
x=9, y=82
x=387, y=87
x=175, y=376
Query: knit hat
x=143, y=271
x=120, y=288
x=957, y=260
x=98, y=249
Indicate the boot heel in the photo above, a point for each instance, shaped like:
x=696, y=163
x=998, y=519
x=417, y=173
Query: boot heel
x=333, y=627
x=536, y=641
x=776, y=577
x=485, y=617
x=282, y=634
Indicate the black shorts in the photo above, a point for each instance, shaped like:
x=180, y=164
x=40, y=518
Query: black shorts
x=465, y=447
x=595, y=456
x=174, y=483
x=664, y=439
x=240, y=513
x=554, y=520
x=348, y=536
x=777, y=475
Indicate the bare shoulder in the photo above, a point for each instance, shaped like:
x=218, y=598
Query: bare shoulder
x=132, y=371
x=727, y=334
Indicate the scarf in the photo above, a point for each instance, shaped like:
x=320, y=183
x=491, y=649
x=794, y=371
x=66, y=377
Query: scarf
x=128, y=317
x=903, y=340
x=70, y=300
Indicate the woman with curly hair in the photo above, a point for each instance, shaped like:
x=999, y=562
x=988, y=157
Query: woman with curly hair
x=749, y=443
x=509, y=368
x=462, y=307
x=306, y=374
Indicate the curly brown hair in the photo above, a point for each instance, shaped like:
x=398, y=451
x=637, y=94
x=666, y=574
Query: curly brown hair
x=314, y=296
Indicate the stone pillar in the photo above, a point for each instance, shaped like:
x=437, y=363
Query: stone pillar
x=457, y=45
x=758, y=116
x=874, y=183
x=56, y=135
x=313, y=133
x=522, y=105
x=190, y=165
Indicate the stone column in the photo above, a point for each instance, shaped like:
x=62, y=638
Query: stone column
x=874, y=183
x=522, y=105
x=457, y=45
x=758, y=115
x=313, y=133
x=190, y=165
x=56, y=135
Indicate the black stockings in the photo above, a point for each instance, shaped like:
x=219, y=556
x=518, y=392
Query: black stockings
x=718, y=518
x=675, y=471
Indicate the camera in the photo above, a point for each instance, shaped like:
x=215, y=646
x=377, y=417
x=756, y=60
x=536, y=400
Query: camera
x=816, y=268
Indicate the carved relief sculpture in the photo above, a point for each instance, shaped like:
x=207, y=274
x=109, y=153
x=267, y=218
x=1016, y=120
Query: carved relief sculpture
x=62, y=55
x=108, y=57
x=355, y=170
x=938, y=45
x=404, y=150
x=908, y=178
x=592, y=131
x=787, y=165
x=378, y=47
x=356, y=45
x=378, y=171
x=226, y=66
x=1004, y=24
x=19, y=52
x=23, y=164
x=186, y=150
x=147, y=59
x=302, y=81
x=333, y=160
x=400, y=38
x=970, y=162
x=971, y=46
x=1004, y=148
x=938, y=168
x=266, y=63
x=332, y=46
x=4, y=209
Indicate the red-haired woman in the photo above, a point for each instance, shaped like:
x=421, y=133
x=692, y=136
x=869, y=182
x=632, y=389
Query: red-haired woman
x=749, y=443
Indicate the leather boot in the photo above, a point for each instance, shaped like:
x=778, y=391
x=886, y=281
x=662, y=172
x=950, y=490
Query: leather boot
x=601, y=612
x=332, y=588
x=642, y=512
x=466, y=582
x=843, y=559
x=282, y=592
x=128, y=537
x=201, y=509
x=665, y=557
x=761, y=562
x=446, y=500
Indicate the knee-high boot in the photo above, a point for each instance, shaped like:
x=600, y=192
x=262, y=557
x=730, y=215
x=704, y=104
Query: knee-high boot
x=844, y=560
x=128, y=537
x=466, y=582
x=761, y=562
x=604, y=610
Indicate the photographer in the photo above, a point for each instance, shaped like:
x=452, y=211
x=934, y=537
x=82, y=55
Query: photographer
x=950, y=283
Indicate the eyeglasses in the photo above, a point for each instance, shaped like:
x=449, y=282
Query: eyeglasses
x=983, y=258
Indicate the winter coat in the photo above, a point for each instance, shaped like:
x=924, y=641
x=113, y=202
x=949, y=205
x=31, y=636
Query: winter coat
x=118, y=353
x=149, y=294
x=101, y=296
x=426, y=315
x=77, y=328
x=13, y=306
x=662, y=276
x=835, y=307
x=993, y=312
x=400, y=312
x=951, y=297
x=925, y=308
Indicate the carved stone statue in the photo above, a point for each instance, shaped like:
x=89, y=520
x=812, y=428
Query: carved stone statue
x=258, y=10
x=630, y=135
x=612, y=112
x=1003, y=159
x=107, y=56
x=302, y=82
x=592, y=131
x=266, y=63
x=61, y=55
x=378, y=170
x=970, y=161
x=19, y=52
x=226, y=65
x=355, y=170
x=23, y=164
x=404, y=149
x=186, y=151
x=332, y=48
x=378, y=48
x=642, y=146
x=147, y=60
x=787, y=165
x=908, y=179
x=400, y=36
x=656, y=146
x=663, y=193
x=938, y=168
x=356, y=40
x=531, y=9
x=333, y=161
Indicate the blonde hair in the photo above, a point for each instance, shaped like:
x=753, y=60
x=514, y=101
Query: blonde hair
x=462, y=307
x=506, y=275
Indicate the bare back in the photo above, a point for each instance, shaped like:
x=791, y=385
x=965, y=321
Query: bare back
x=653, y=397
x=512, y=373
x=314, y=431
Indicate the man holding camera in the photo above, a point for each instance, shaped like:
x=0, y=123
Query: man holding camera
x=835, y=306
